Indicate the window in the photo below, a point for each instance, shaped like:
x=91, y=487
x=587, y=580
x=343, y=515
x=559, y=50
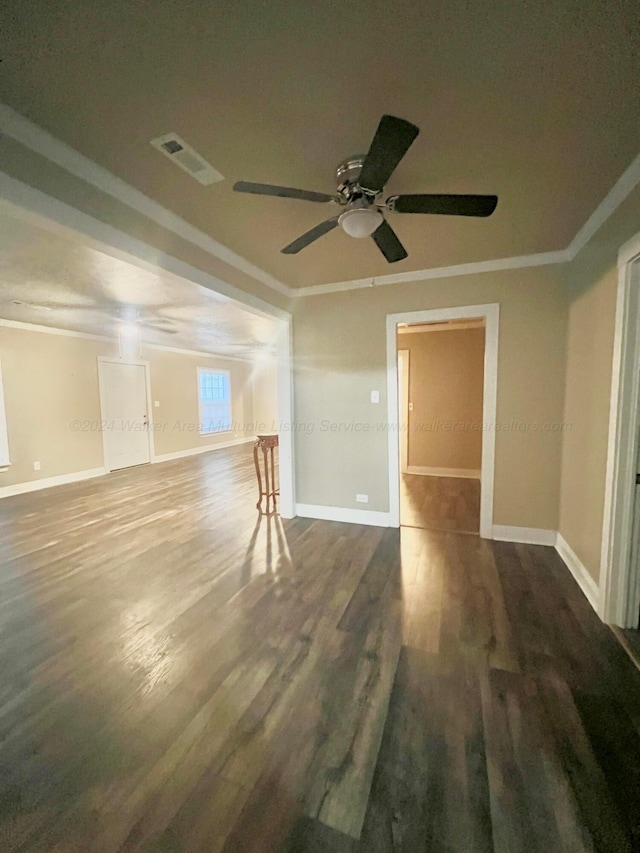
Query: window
x=214, y=390
x=4, y=445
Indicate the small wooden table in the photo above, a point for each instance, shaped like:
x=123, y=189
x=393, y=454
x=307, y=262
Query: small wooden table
x=266, y=443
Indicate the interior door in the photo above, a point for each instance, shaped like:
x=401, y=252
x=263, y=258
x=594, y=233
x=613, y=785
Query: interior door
x=125, y=416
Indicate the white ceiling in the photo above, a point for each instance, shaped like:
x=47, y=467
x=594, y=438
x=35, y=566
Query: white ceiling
x=56, y=279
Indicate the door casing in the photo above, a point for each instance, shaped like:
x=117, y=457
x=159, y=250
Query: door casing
x=403, y=359
x=491, y=315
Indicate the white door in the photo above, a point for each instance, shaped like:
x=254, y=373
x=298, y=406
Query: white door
x=125, y=416
x=403, y=419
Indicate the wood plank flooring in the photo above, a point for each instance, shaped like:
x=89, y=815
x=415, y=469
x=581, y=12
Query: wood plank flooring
x=440, y=503
x=181, y=674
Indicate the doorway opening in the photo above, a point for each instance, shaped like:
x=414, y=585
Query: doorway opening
x=441, y=378
x=50, y=214
x=442, y=417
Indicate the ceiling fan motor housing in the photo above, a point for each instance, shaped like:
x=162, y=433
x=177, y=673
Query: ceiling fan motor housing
x=348, y=172
x=360, y=219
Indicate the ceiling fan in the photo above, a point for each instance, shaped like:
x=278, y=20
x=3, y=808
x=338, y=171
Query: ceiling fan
x=361, y=180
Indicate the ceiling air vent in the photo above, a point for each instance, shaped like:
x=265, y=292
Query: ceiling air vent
x=183, y=155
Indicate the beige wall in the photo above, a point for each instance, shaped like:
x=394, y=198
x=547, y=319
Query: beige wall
x=340, y=356
x=446, y=378
x=51, y=382
x=554, y=369
x=174, y=387
x=591, y=281
x=265, y=395
x=589, y=359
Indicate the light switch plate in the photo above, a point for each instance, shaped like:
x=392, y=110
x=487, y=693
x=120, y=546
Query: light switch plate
x=375, y=396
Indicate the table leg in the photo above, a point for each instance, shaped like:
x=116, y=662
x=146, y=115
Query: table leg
x=256, y=462
x=265, y=459
x=273, y=480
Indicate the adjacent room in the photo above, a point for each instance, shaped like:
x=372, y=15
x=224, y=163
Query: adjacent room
x=108, y=365
x=319, y=418
x=442, y=382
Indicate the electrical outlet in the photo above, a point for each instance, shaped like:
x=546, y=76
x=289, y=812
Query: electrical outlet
x=362, y=499
x=375, y=396
x=36, y=466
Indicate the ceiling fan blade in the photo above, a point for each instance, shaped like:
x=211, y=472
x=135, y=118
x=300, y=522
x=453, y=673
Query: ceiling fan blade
x=452, y=205
x=389, y=145
x=310, y=236
x=388, y=243
x=283, y=192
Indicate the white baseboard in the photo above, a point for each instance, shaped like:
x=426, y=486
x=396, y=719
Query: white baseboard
x=193, y=451
x=524, y=535
x=337, y=513
x=537, y=536
x=466, y=473
x=48, y=482
x=579, y=571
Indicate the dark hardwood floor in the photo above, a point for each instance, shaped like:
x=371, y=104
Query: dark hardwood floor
x=180, y=674
x=440, y=503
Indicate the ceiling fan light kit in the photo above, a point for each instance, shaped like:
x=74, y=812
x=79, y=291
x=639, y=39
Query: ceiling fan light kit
x=361, y=180
x=360, y=220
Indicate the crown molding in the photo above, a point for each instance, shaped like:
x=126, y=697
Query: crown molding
x=623, y=187
x=537, y=260
x=37, y=139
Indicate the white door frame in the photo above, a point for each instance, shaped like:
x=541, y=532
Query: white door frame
x=404, y=358
x=286, y=469
x=619, y=580
x=106, y=359
x=491, y=315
